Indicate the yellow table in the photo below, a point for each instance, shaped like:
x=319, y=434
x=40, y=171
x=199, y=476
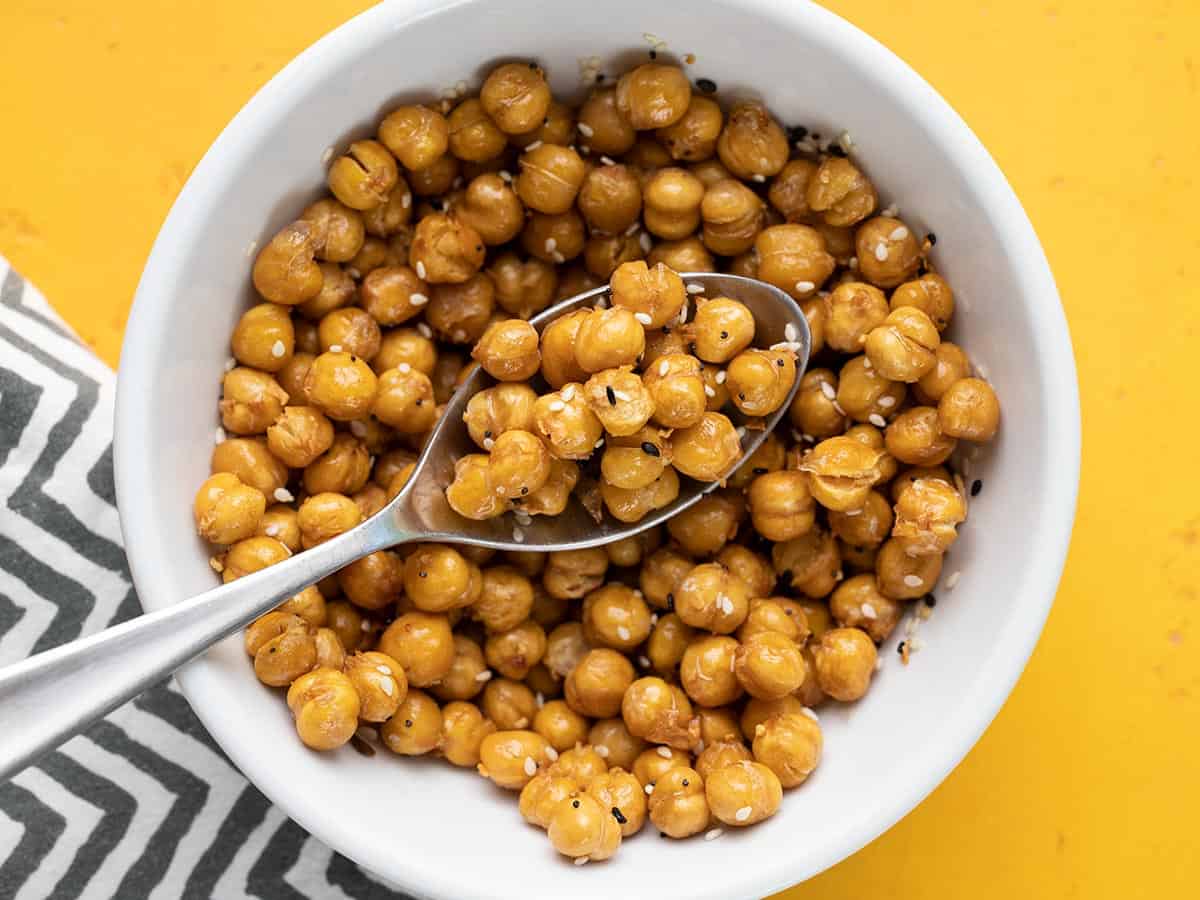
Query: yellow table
x=1087, y=784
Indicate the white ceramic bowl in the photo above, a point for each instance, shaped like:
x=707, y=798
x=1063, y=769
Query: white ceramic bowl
x=440, y=832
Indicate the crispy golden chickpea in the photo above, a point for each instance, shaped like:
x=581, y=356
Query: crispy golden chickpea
x=790, y=746
x=542, y=796
x=743, y=793
x=845, y=662
x=554, y=238
x=759, y=381
x=250, y=401
x=228, y=510
x=324, y=516
x=572, y=573
x=344, y=468
x=705, y=527
x=722, y=753
x=887, y=250
x=752, y=568
x=610, y=199
x=326, y=708
x=634, y=504
x=291, y=377
x=688, y=255
x=752, y=145
x=519, y=464
x=391, y=217
x=660, y=575
x=706, y=450
x=557, y=126
x=635, y=461
x=858, y=603
x=346, y=623
x=582, y=828
x=605, y=127
x=380, y=684
x=603, y=254
x=287, y=656
x=514, y=652
x=622, y=794
x=438, y=578
x=417, y=135
x=950, y=365
x=794, y=259
x=423, y=645
x=309, y=605
x=671, y=203
x=756, y=712
x=612, y=741
x=969, y=410
x=677, y=387
x=267, y=627
x=363, y=177
x=842, y=472
x=929, y=293
x=461, y=313
x=653, y=96
x=405, y=345
x=516, y=97
x=774, y=615
x=560, y=725
x=552, y=497
x=512, y=758
x=915, y=437
x=710, y=171
x=840, y=191
x=630, y=551
x=694, y=137
x=668, y=642
x=492, y=208
x=566, y=645
x=473, y=136
x=866, y=527
x=506, y=599
x=721, y=329
x=509, y=703
x=559, y=339
x=330, y=652
x=655, y=295
x=902, y=347
x=436, y=178
x=250, y=555
x=550, y=178
x=393, y=294
x=781, y=505
x=341, y=385
x=508, y=350
x=789, y=190
x=264, y=338
x=659, y=712
x=927, y=514
x=416, y=727
x=598, y=682
x=374, y=581
x=446, y=250
x=581, y=763
x=810, y=562
x=404, y=400
x=706, y=671
x=654, y=762
x=732, y=216
x=615, y=616
x=285, y=271
x=565, y=422
x=463, y=731
x=620, y=400
x=462, y=682
x=374, y=253
x=609, y=338
x=768, y=665
x=905, y=479
x=677, y=806
x=852, y=310
x=495, y=410
x=300, y=435
x=338, y=230
x=814, y=410
x=865, y=395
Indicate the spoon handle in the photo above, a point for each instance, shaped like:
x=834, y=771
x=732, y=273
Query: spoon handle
x=52, y=696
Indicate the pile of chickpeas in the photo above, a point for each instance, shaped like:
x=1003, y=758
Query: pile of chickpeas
x=671, y=676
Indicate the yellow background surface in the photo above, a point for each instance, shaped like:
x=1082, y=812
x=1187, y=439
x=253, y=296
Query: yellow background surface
x=1087, y=784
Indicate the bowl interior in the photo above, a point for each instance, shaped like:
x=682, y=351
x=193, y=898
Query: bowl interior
x=442, y=832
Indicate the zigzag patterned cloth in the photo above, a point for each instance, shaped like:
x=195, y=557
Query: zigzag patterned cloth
x=144, y=804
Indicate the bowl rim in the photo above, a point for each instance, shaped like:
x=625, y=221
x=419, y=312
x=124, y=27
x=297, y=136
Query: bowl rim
x=942, y=751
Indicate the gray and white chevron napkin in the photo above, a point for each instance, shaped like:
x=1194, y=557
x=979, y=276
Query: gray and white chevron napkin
x=144, y=804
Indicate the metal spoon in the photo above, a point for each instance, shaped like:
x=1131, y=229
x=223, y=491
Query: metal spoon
x=47, y=698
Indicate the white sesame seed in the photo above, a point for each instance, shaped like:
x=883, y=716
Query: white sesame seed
x=721, y=376
x=585, y=129
x=271, y=530
x=388, y=686
x=878, y=663
x=913, y=581
x=485, y=675
x=581, y=860
x=602, y=303
x=558, y=257
x=602, y=751
x=623, y=633
x=828, y=391
x=891, y=211
x=649, y=789
x=417, y=299
x=518, y=536
x=283, y=495
x=556, y=406
x=867, y=364
x=695, y=288
x=606, y=161
x=854, y=262
x=663, y=368
x=853, y=512
x=621, y=395
x=530, y=766
x=358, y=428
x=335, y=348
x=810, y=713
x=887, y=401
x=327, y=156
x=533, y=146
x=790, y=333
x=645, y=242
x=653, y=618
x=643, y=318
x=598, y=444
x=540, y=699
x=845, y=141
x=713, y=833
x=420, y=267
x=881, y=251
x=759, y=177
x=838, y=407
x=523, y=518
x=551, y=245
x=404, y=368
x=741, y=432
x=709, y=392
x=230, y=364
x=868, y=611
x=278, y=349
x=632, y=229
x=803, y=287
x=808, y=438
x=220, y=435
x=353, y=272
x=952, y=580
x=877, y=420
x=743, y=814
x=664, y=752
x=215, y=564
x=551, y=753
x=644, y=662
x=683, y=313
x=505, y=176
x=899, y=233
x=488, y=443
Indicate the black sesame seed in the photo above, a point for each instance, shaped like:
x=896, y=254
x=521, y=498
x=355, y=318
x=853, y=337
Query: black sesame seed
x=619, y=816
x=932, y=238
x=724, y=335
x=816, y=135
x=408, y=723
x=836, y=150
x=900, y=648
x=533, y=65
x=419, y=402
x=575, y=803
x=779, y=362
x=797, y=133
x=487, y=434
x=654, y=54
x=670, y=601
x=786, y=575
x=436, y=204
x=423, y=574
x=612, y=395
x=666, y=329
x=524, y=491
x=599, y=77
x=479, y=248
x=976, y=487
x=707, y=85
x=662, y=834
x=741, y=396
x=686, y=782
x=518, y=500
x=353, y=358
x=649, y=449
x=760, y=470
x=273, y=649
x=930, y=601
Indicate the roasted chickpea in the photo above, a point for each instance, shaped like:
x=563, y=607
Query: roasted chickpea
x=866, y=527
x=250, y=401
x=324, y=516
x=514, y=652
x=610, y=199
x=659, y=712
x=581, y=763
x=671, y=203
x=950, y=365
x=814, y=410
x=794, y=259
x=613, y=742
x=655, y=295
x=264, y=338
x=391, y=295
x=374, y=253
x=756, y=712
x=733, y=217
x=721, y=329
x=550, y=178
x=326, y=708
x=852, y=310
x=653, y=96
x=446, y=250
x=285, y=271
x=620, y=400
x=915, y=437
x=391, y=217
x=405, y=345
x=364, y=176
x=572, y=573
x=810, y=562
x=858, y=603
x=603, y=125
x=668, y=641
x=492, y=208
x=250, y=555
x=623, y=795
x=416, y=727
x=436, y=178
x=338, y=230
x=291, y=377
x=845, y=662
x=710, y=171
x=603, y=254
x=705, y=527
x=404, y=400
x=344, y=468
x=926, y=516
x=279, y=522
x=423, y=645
x=380, y=684
x=509, y=703
x=781, y=506
x=512, y=758
x=495, y=410
x=516, y=97
x=417, y=135
x=694, y=136
x=519, y=465
x=615, y=616
x=707, y=671
x=609, y=338
x=929, y=293
x=463, y=682
x=759, y=381
x=564, y=421
x=968, y=410
x=473, y=136
x=902, y=347
x=841, y=472
x=560, y=725
x=635, y=461
x=508, y=350
x=582, y=828
x=706, y=450
x=888, y=252
x=630, y=551
x=461, y=313
x=559, y=339
x=678, y=807
x=790, y=746
x=634, y=504
x=654, y=762
x=789, y=190
x=743, y=793
x=661, y=573
x=752, y=145
x=566, y=645
x=840, y=191
x=598, y=682
x=438, y=578
x=677, y=387
x=776, y=615
x=866, y=395
x=228, y=510
x=505, y=600
x=374, y=581
x=554, y=238
x=721, y=753
x=463, y=731
x=688, y=255
x=341, y=385
x=542, y=796
x=282, y=659
x=346, y=623
x=768, y=665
